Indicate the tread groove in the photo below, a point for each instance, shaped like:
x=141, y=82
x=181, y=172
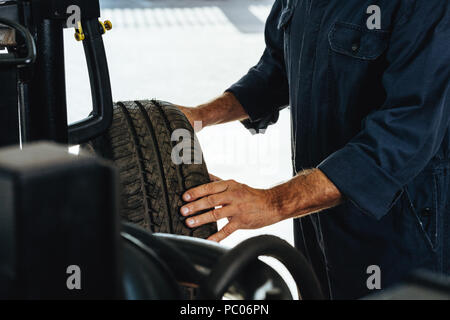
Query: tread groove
x=161, y=166
x=138, y=152
x=177, y=168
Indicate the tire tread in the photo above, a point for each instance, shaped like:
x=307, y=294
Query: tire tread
x=139, y=144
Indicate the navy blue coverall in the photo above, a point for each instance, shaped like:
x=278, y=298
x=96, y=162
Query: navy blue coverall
x=370, y=107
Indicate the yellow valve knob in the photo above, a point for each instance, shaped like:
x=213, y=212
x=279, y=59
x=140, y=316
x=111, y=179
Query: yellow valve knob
x=79, y=34
x=108, y=25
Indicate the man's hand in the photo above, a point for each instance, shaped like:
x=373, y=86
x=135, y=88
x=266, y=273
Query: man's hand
x=249, y=208
x=245, y=207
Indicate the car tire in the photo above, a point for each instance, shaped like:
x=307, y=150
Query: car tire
x=139, y=144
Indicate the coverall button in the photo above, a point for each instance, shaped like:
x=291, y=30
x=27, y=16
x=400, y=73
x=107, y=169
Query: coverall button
x=426, y=212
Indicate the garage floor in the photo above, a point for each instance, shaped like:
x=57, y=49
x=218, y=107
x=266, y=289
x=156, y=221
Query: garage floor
x=187, y=52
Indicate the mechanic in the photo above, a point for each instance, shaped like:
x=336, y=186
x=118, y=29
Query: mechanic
x=368, y=84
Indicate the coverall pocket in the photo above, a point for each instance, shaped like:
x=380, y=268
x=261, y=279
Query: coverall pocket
x=357, y=42
x=354, y=53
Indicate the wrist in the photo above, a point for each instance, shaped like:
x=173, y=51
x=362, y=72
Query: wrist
x=204, y=114
x=309, y=192
x=276, y=203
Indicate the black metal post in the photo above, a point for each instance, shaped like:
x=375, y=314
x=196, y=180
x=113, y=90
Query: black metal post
x=48, y=106
x=9, y=115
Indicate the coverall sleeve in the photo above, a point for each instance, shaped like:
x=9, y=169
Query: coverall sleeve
x=264, y=90
x=399, y=140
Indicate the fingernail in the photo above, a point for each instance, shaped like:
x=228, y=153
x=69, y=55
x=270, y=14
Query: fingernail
x=191, y=222
x=187, y=196
x=184, y=210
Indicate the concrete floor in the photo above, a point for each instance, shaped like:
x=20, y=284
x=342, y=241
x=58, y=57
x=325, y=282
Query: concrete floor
x=187, y=52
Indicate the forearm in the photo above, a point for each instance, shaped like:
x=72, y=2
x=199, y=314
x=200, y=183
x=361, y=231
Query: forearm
x=309, y=192
x=223, y=109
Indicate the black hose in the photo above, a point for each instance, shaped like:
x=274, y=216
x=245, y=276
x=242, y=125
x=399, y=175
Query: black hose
x=235, y=261
x=161, y=278
x=29, y=42
x=178, y=262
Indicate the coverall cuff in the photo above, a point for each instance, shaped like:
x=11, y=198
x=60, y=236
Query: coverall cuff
x=361, y=181
x=261, y=115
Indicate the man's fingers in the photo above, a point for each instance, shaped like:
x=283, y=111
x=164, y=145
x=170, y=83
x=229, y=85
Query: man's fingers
x=205, y=203
x=205, y=190
x=223, y=233
x=208, y=217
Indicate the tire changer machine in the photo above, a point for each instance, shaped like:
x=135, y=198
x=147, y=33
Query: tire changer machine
x=59, y=212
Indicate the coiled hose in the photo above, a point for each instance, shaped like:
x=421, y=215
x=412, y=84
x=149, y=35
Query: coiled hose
x=234, y=262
